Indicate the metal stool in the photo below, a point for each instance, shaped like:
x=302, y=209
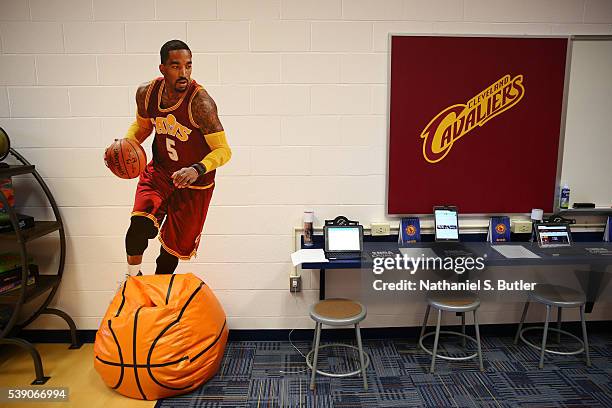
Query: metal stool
x=459, y=302
x=337, y=312
x=559, y=296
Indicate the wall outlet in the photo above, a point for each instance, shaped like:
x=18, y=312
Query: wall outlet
x=380, y=228
x=295, y=284
x=521, y=227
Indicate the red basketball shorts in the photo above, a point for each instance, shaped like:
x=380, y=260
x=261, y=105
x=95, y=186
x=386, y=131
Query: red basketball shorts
x=180, y=212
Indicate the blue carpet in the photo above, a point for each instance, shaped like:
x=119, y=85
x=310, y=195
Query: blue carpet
x=272, y=374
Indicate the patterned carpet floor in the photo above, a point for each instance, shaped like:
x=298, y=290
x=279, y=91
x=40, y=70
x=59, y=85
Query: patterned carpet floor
x=273, y=374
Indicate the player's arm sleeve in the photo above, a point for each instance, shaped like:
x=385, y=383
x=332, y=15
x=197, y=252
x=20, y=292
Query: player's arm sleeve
x=140, y=129
x=220, y=151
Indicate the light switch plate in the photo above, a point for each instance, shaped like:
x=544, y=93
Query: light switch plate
x=521, y=227
x=380, y=228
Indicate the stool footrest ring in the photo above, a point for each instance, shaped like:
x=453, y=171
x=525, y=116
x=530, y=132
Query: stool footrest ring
x=340, y=375
x=444, y=357
x=563, y=353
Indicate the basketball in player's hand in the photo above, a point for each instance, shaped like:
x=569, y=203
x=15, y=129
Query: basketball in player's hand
x=125, y=158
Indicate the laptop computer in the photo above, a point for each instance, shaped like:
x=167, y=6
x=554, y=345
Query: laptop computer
x=555, y=239
x=446, y=221
x=343, y=241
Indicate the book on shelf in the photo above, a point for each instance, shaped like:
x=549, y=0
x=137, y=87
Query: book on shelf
x=24, y=222
x=12, y=260
x=11, y=279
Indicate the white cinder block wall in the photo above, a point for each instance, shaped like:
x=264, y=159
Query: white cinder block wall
x=301, y=89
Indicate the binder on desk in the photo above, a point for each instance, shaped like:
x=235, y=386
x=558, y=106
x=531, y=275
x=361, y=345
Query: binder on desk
x=499, y=229
x=410, y=231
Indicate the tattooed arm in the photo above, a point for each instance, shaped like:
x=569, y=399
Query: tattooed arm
x=204, y=114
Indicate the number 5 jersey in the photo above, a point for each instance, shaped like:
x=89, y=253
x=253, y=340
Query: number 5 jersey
x=178, y=142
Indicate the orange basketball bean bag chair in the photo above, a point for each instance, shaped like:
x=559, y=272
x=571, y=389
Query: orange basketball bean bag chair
x=162, y=335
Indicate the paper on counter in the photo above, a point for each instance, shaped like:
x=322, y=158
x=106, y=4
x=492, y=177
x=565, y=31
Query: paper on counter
x=308, y=256
x=514, y=251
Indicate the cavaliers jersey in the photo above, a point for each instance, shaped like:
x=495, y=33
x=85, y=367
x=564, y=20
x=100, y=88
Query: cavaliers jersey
x=178, y=140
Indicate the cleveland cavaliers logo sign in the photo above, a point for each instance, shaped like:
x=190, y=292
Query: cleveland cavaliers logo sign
x=458, y=120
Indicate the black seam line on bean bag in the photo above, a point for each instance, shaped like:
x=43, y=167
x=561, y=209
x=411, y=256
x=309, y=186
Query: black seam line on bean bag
x=122, y=299
x=170, y=288
x=134, y=354
x=130, y=365
x=120, y=355
x=212, y=344
x=160, y=336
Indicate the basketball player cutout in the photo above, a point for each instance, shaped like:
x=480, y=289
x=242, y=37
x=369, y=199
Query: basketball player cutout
x=176, y=186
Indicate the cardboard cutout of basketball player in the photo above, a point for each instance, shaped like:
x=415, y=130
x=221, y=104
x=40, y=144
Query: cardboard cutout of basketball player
x=176, y=186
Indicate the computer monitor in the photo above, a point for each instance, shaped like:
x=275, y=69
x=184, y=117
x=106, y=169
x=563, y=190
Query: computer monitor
x=553, y=235
x=446, y=223
x=345, y=238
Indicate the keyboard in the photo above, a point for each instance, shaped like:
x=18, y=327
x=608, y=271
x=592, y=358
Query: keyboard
x=343, y=255
x=452, y=250
x=563, y=251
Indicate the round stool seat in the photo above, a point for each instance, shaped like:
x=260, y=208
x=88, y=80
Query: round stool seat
x=338, y=312
x=559, y=296
x=453, y=301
